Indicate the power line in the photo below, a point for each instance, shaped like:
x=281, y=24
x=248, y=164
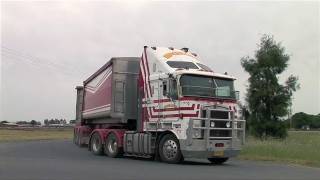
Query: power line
x=25, y=55
x=35, y=63
x=17, y=55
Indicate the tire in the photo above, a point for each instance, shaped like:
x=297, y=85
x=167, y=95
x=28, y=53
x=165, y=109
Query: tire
x=169, y=149
x=96, y=145
x=75, y=134
x=77, y=139
x=111, y=146
x=218, y=160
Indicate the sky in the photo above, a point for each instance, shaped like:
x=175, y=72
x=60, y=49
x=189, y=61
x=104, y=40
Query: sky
x=48, y=48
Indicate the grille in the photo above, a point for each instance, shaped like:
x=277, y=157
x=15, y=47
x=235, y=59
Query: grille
x=220, y=133
x=219, y=114
x=221, y=124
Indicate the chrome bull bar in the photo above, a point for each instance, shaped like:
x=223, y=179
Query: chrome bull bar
x=236, y=130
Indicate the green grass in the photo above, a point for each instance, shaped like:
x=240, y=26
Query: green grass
x=300, y=147
x=9, y=135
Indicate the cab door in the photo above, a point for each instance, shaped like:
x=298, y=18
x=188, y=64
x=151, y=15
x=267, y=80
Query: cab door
x=168, y=100
x=162, y=96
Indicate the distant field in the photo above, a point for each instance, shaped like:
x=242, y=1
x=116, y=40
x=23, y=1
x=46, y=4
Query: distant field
x=8, y=135
x=301, y=147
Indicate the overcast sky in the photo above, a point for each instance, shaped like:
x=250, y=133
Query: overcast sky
x=48, y=48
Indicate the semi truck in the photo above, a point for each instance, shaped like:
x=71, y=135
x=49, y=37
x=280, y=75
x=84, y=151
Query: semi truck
x=166, y=105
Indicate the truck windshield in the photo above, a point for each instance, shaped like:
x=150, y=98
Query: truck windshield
x=182, y=64
x=204, y=86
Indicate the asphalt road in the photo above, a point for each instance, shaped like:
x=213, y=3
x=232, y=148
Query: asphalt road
x=59, y=160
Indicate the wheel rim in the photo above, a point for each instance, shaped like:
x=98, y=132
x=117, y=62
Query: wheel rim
x=112, y=145
x=170, y=149
x=95, y=145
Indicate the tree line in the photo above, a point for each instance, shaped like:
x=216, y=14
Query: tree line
x=54, y=121
x=46, y=122
x=303, y=120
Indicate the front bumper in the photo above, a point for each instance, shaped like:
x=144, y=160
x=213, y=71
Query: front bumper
x=206, y=154
x=200, y=149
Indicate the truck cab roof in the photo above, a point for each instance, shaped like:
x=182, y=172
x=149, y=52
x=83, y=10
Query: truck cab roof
x=178, y=62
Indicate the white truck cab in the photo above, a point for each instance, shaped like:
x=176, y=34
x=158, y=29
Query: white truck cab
x=186, y=97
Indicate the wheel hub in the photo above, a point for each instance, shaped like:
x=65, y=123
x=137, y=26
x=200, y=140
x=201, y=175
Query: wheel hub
x=112, y=145
x=95, y=145
x=170, y=149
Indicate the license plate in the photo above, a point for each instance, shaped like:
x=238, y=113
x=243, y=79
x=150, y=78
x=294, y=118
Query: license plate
x=218, y=153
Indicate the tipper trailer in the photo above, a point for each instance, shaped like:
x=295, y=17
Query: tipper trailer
x=166, y=104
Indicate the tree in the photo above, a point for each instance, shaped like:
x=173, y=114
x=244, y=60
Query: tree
x=46, y=122
x=51, y=121
x=33, y=122
x=301, y=120
x=268, y=100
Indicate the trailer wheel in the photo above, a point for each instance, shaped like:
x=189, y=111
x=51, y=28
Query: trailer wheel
x=75, y=134
x=169, y=149
x=77, y=139
x=111, y=146
x=218, y=160
x=96, y=144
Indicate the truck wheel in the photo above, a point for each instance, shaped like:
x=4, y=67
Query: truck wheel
x=217, y=160
x=96, y=144
x=111, y=146
x=75, y=137
x=169, y=149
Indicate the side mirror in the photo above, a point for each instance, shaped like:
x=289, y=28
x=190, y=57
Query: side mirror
x=237, y=94
x=164, y=89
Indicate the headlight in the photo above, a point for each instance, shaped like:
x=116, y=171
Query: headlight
x=212, y=124
x=197, y=133
x=228, y=124
x=197, y=123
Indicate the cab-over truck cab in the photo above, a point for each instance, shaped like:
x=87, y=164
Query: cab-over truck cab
x=198, y=106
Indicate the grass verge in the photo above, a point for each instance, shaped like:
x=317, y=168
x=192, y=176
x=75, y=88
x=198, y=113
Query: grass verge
x=9, y=135
x=300, y=147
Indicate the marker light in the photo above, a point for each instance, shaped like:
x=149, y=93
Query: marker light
x=228, y=124
x=185, y=49
x=212, y=124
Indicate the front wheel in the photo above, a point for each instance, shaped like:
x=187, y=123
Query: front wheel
x=111, y=146
x=169, y=149
x=218, y=160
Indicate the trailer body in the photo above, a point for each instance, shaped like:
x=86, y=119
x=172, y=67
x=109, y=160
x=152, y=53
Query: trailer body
x=166, y=104
x=110, y=92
